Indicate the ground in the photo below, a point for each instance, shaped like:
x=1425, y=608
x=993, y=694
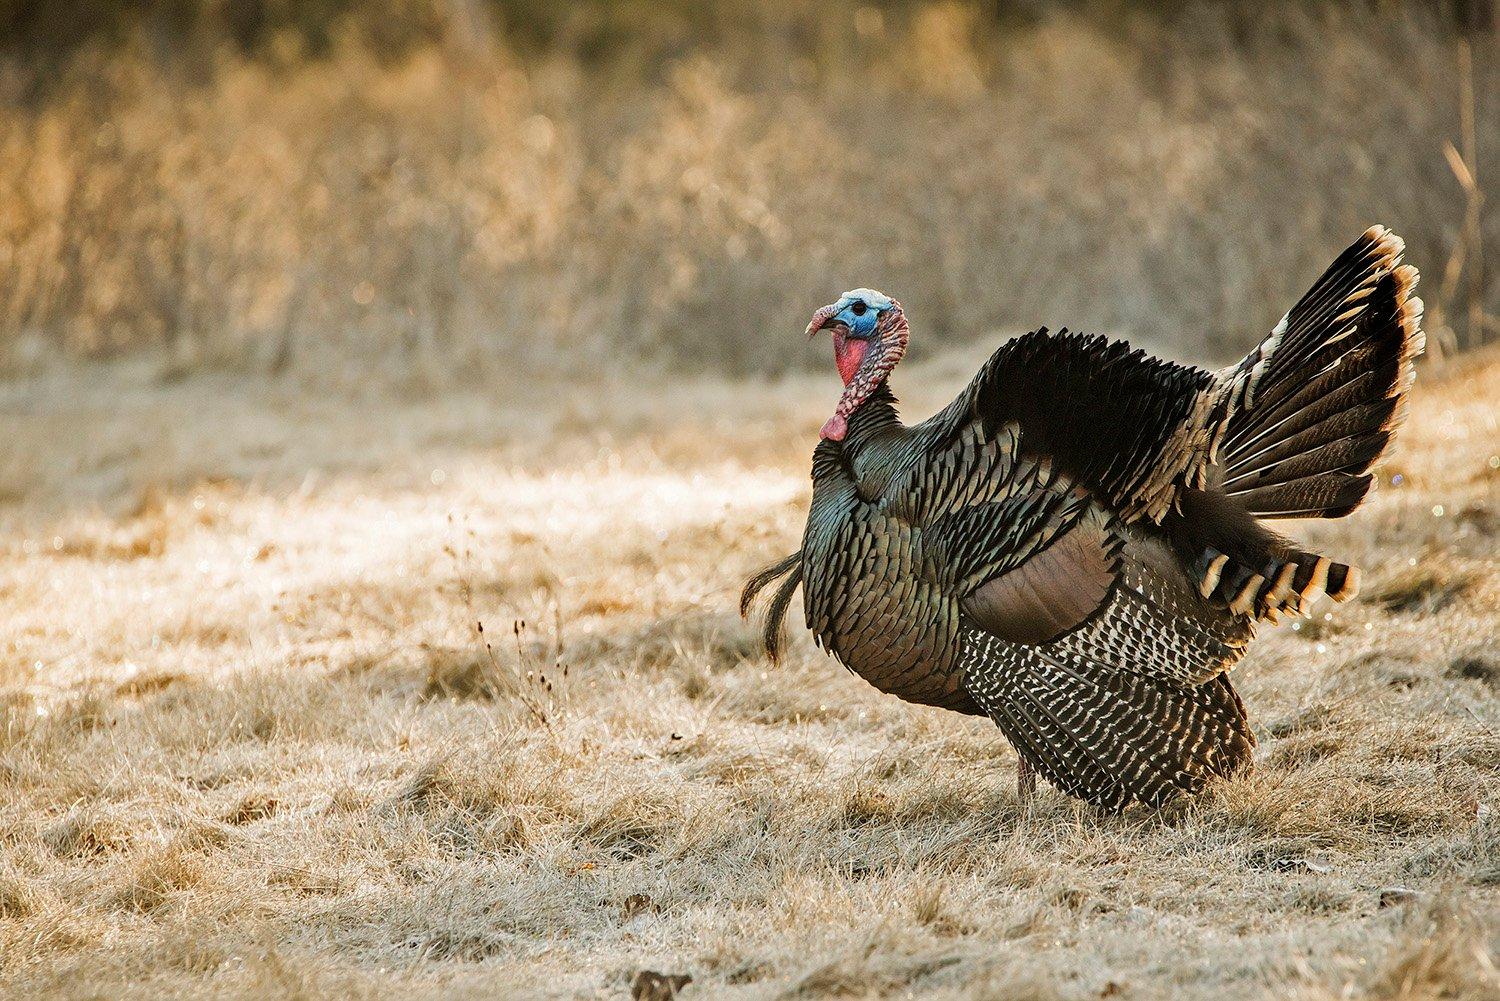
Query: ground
x=440, y=694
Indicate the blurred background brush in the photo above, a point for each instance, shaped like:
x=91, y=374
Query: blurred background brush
x=444, y=190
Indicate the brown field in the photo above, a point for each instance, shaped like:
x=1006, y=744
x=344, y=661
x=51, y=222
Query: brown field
x=332, y=330
x=253, y=743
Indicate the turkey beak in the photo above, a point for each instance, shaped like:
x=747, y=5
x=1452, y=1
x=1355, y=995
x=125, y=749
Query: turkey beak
x=824, y=317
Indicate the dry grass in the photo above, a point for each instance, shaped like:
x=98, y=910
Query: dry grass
x=251, y=743
x=428, y=682
x=671, y=192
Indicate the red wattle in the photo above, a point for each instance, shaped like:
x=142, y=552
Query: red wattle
x=848, y=354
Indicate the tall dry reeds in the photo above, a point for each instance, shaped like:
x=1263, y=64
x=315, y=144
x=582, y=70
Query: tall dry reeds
x=477, y=202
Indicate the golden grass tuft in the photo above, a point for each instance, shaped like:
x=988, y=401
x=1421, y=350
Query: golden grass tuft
x=1442, y=952
x=20, y=896
x=86, y=832
x=158, y=874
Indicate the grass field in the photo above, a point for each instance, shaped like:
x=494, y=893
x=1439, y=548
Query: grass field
x=254, y=743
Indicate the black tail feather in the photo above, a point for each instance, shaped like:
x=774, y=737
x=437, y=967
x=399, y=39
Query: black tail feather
x=1326, y=495
x=1312, y=409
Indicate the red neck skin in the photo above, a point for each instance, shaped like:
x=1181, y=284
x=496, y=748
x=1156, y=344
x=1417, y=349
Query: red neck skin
x=848, y=354
x=864, y=364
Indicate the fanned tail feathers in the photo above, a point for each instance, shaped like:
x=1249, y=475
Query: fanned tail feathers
x=1314, y=406
x=1304, y=418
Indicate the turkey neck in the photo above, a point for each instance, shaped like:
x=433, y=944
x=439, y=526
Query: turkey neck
x=874, y=441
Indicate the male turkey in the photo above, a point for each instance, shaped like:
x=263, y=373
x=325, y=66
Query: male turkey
x=1073, y=547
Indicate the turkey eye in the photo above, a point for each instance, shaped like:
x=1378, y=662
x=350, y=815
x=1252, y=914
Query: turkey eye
x=859, y=309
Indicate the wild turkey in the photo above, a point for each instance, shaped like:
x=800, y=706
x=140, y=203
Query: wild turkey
x=1073, y=547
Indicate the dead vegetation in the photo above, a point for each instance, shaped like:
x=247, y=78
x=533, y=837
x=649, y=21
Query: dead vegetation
x=429, y=682
x=449, y=209
x=275, y=754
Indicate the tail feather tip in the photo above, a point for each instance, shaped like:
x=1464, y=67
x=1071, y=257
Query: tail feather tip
x=1350, y=586
x=1390, y=246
